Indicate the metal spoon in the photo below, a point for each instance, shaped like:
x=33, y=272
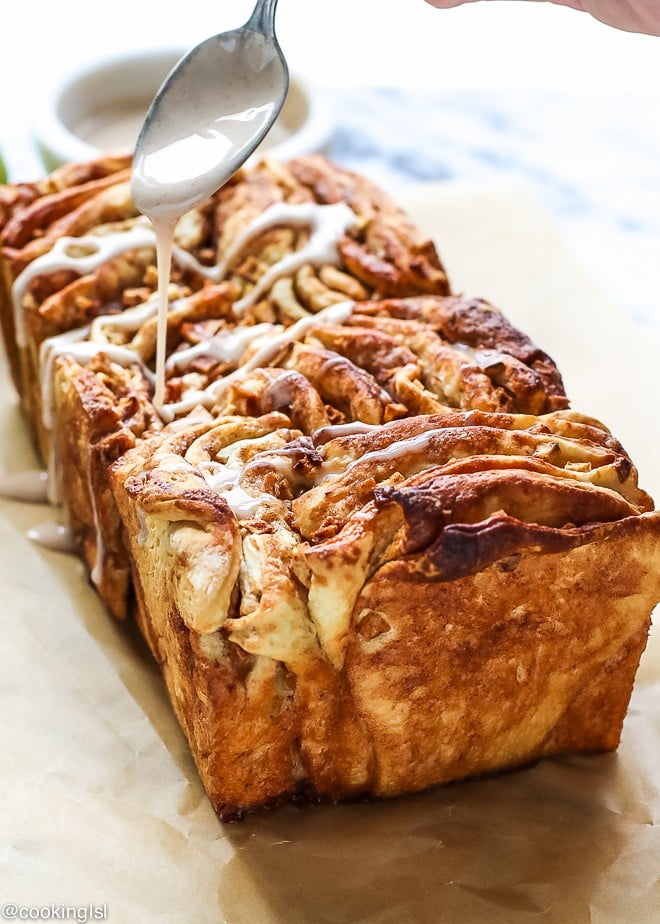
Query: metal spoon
x=211, y=113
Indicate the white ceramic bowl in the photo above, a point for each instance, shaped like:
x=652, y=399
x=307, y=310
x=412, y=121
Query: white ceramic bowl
x=82, y=107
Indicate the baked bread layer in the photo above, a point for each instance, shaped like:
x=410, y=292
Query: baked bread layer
x=366, y=539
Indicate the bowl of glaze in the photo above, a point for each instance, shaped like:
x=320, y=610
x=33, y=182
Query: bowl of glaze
x=100, y=109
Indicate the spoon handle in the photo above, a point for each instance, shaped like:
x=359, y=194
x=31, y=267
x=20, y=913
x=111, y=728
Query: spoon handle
x=263, y=17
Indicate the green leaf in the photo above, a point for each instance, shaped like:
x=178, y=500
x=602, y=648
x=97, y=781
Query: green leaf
x=3, y=171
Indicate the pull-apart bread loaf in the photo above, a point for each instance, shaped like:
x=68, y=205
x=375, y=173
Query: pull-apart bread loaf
x=366, y=540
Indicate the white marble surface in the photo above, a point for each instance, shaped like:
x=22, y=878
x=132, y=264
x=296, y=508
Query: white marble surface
x=592, y=157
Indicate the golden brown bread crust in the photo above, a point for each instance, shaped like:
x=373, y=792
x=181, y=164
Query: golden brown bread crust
x=416, y=648
x=387, y=557
x=106, y=410
x=80, y=200
x=513, y=360
x=385, y=253
x=506, y=671
x=435, y=676
x=25, y=211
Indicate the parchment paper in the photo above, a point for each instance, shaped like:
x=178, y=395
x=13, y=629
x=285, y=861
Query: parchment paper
x=100, y=802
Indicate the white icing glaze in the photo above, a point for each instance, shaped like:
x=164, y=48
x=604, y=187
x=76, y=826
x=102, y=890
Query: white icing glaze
x=164, y=228
x=394, y=451
x=86, y=254
x=328, y=223
x=131, y=319
x=194, y=141
x=49, y=350
x=244, y=505
x=65, y=254
x=398, y=448
x=227, y=346
x=281, y=390
x=225, y=479
x=193, y=399
x=53, y=536
x=173, y=463
x=96, y=573
x=100, y=249
x=70, y=344
x=484, y=358
x=281, y=460
x=176, y=426
x=73, y=344
x=205, y=125
x=334, y=314
x=336, y=431
x=219, y=476
x=30, y=486
x=277, y=459
x=113, y=127
x=116, y=127
x=54, y=479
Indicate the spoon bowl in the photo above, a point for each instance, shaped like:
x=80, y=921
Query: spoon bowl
x=211, y=113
